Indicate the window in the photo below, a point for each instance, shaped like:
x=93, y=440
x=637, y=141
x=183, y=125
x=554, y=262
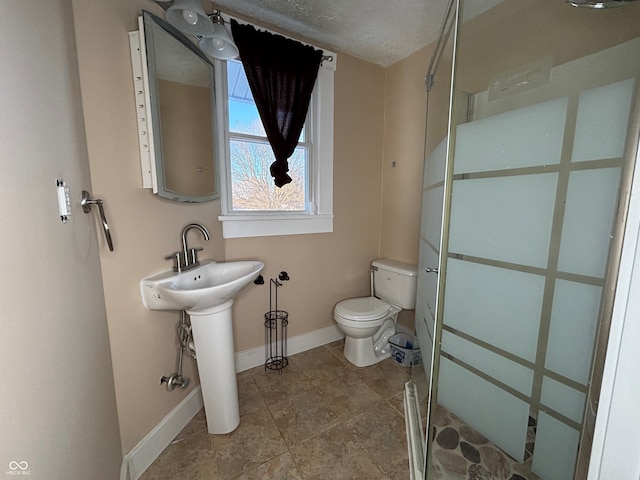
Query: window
x=251, y=204
x=250, y=155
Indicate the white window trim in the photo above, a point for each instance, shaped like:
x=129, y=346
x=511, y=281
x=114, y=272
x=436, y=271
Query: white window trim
x=320, y=218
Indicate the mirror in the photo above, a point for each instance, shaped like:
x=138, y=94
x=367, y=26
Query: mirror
x=182, y=103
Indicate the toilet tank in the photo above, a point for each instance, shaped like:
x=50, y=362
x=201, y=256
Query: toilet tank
x=395, y=282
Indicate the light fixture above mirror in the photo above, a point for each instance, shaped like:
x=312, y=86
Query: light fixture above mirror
x=218, y=44
x=189, y=17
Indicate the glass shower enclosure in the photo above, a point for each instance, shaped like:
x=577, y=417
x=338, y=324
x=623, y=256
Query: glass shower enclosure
x=529, y=156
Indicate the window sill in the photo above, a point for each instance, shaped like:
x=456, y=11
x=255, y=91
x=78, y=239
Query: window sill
x=242, y=226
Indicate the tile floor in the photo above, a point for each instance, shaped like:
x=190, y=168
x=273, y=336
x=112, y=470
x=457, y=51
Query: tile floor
x=322, y=418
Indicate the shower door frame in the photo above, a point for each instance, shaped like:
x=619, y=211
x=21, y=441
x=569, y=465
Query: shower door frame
x=417, y=437
x=619, y=230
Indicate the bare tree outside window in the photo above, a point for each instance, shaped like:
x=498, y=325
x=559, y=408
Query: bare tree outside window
x=252, y=185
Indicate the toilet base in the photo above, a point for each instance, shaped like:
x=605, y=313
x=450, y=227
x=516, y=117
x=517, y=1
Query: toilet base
x=359, y=351
x=363, y=352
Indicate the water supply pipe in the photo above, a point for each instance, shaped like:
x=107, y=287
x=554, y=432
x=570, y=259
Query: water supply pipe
x=371, y=270
x=184, y=337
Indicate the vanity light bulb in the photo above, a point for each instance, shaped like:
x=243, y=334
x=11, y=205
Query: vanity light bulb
x=218, y=44
x=190, y=17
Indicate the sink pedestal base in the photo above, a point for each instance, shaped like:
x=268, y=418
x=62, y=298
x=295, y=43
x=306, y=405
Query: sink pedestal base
x=213, y=337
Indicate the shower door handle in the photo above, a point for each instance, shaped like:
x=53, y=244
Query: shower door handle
x=431, y=270
x=86, y=201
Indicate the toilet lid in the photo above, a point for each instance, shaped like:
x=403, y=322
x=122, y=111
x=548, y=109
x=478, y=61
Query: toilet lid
x=363, y=308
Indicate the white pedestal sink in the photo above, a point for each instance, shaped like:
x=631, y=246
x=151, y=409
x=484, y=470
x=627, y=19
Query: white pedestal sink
x=206, y=293
x=213, y=337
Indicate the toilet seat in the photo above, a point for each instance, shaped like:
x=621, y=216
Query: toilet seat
x=362, y=309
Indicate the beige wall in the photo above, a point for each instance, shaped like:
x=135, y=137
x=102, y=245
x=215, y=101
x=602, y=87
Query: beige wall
x=324, y=268
x=405, y=104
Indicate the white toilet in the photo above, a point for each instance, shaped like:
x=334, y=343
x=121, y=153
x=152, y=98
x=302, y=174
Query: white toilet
x=368, y=322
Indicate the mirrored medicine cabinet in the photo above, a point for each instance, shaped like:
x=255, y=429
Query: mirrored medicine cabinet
x=177, y=108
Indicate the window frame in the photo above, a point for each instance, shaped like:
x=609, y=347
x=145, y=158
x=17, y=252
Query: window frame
x=319, y=125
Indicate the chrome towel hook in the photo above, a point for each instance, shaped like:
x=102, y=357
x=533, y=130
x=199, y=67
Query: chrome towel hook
x=86, y=201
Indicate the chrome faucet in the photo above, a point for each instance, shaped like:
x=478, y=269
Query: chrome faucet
x=189, y=255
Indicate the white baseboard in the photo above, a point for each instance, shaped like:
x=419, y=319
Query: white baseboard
x=150, y=447
x=255, y=357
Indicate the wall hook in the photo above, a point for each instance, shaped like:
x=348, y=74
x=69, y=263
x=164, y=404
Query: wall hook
x=284, y=276
x=259, y=280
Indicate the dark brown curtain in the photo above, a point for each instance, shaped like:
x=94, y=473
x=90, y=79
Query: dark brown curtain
x=281, y=74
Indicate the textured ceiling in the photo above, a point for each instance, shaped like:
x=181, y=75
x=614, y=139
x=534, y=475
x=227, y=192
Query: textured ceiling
x=379, y=31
